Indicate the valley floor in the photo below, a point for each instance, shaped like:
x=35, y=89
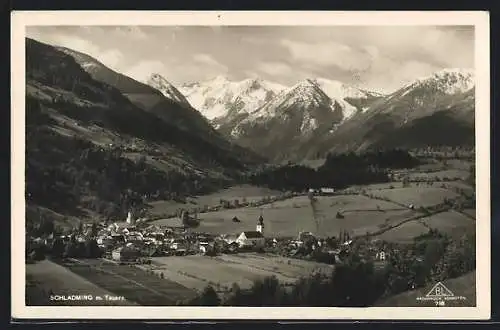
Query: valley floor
x=391, y=212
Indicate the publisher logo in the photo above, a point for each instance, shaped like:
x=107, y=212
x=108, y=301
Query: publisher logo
x=440, y=294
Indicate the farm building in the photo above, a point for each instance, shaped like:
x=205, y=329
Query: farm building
x=230, y=238
x=125, y=254
x=327, y=191
x=251, y=239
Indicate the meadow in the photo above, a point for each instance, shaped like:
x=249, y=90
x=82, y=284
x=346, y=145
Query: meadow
x=135, y=284
x=382, y=205
x=287, y=218
x=444, y=175
x=44, y=278
x=223, y=271
x=418, y=196
x=241, y=192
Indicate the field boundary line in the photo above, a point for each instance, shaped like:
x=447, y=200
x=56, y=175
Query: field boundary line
x=122, y=277
x=468, y=216
x=382, y=231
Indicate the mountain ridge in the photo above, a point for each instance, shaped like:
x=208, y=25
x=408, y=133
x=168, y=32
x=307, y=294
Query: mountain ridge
x=444, y=96
x=172, y=110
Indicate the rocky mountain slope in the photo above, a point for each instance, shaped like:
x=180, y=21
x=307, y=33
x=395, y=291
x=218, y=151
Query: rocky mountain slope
x=167, y=89
x=432, y=111
x=311, y=107
x=162, y=99
x=88, y=146
x=317, y=116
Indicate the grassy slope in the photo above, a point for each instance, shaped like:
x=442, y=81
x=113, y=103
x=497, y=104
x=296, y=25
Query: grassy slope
x=64, y=101
x=45, y=276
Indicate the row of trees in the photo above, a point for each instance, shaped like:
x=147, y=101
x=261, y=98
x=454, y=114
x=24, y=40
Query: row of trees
x=60, y=248
x=353, y=285
x=338, y=171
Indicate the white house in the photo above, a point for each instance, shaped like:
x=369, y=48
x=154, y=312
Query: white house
x=381, y=256
x=252, y=239
x=325, y=190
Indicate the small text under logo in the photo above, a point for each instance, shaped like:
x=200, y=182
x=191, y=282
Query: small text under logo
x=440, y=294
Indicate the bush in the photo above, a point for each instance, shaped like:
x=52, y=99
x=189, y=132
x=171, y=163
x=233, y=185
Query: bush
x=208, y=297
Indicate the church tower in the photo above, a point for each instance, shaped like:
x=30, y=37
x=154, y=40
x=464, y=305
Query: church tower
x=130, y=218
x=260, y=224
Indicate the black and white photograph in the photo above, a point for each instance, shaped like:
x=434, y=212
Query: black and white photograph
x=174, y=162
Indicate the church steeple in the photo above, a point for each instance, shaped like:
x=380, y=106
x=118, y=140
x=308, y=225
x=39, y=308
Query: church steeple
x=260, y=223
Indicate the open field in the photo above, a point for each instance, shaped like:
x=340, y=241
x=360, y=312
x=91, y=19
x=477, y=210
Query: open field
x=222, y=271
x=45, y=277
x=461, y=286
x=418, y=196
x=248, y=192
x=450, y=174
x=470, y=212
x=450, y=185
x=404, y=233
x=286, y=218
x=459, y=164
x=131, y=282
x=450, y=222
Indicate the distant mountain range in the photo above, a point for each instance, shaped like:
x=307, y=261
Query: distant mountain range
x=317, y=116
x=223, y=101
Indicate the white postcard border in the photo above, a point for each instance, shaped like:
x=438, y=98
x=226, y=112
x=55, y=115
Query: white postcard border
x=19, y=21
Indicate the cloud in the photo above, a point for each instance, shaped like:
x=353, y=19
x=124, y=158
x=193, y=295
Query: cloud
x=274, y=68
x=110, y=57
x=134, y=32
x=254, y=40
x=373, y=57
x=208, y=60
x=329, y=53
x=143, y=70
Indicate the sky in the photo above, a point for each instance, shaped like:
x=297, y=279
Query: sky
x=377, y=58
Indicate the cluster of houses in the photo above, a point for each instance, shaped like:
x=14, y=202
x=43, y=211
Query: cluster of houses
x=130, y=241
x=307, y=246
x=137, y=240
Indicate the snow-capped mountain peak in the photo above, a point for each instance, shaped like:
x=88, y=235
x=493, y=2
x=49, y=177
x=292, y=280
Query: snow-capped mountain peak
x=88, y=63
x=340, y=90
x=219, y=97
x=449, y=81
x=305, y=94
x=168, y=90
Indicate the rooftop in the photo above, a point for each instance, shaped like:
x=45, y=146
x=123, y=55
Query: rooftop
x=253, y=234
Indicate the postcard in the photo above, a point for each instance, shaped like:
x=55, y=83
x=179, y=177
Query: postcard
x=250, y=165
